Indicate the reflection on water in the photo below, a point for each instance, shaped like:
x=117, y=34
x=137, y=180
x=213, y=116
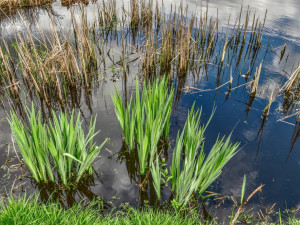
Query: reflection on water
x=271, y=151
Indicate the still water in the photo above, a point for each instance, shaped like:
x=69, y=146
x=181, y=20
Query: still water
x=270, y=152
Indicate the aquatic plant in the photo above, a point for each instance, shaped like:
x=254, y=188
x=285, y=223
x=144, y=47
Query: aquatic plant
x=143, y=122
x=146, y=119
x=156, y=176
x=59, y=147
x=191, y=172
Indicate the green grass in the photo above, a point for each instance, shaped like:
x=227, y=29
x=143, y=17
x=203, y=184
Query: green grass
x=59, y=151
x=30, y=212
x=146, y=119
x=288, y=218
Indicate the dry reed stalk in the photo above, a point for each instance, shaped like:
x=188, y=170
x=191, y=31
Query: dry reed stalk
x=188, y=43
x=206, y=38
x=167, y=50
x=135, y=14
x=110, y=12
x=147, y=14
x=8, y=71
x=53, y=64
x=29, y=68
x=86, y=47
x=246, y=25
x=241, y=208
x=183, y=39
x=150, y=56
x=282, y=52
x=123, y=57
x=15, y=4
x=268, y=106
x=107, y=16
x=210, y=42
x=294, y=78
x=69, y=3
x=158, y=15
x=254, y=83
x=224, y=51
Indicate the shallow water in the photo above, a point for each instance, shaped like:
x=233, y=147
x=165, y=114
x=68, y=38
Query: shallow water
x=270, y=153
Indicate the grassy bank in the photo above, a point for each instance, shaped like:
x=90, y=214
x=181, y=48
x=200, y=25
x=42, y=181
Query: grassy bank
x=31, y=212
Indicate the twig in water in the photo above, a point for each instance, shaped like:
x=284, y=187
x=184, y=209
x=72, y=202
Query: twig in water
x=241, y=208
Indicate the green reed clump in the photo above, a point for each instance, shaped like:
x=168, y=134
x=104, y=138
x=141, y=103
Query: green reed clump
x=157, y=177
x=58, y=152
x=191, y=172
x=145, y=120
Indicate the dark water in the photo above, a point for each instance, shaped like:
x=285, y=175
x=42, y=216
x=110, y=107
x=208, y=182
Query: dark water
x=271, y=152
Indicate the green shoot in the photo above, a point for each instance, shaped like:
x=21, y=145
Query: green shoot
x=60, y=146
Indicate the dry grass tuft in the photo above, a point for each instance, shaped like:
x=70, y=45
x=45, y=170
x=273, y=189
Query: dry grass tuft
x=15, y=4
x=293, y=81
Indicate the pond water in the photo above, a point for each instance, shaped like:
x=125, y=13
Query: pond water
x=271, y=152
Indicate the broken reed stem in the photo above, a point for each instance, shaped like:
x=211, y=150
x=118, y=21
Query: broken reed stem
x=254, y=84
x=267, y=108
x=294, y=78
x=282, y=52
x=241, y=208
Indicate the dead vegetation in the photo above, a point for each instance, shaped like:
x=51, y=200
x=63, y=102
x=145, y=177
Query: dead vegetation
x=16, y=4
x=59, y=65
x=9, y=5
